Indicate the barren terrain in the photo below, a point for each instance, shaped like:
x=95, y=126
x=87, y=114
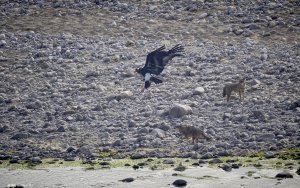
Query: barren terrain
x=67, y=87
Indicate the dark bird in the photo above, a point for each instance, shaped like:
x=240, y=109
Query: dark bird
x=156, y=62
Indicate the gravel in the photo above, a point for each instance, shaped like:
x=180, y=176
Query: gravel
x=68, y=90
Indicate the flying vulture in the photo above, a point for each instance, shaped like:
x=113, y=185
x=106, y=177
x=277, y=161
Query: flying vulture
x=156, y=62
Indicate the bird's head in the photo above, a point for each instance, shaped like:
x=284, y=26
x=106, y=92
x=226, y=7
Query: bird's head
x=138, y=70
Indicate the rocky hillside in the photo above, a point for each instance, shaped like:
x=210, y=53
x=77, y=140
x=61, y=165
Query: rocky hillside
x=67, y=85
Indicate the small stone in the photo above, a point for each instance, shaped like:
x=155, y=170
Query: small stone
x=195, y=155
x=127, y=180
x=269, y=154
x=199, y=91
x=138, y=155
x=169, y=161
x=129, y=43
x=253, y=26
x=98, y=107
x=207, y=156
x=226, y=167
x=238, y=31
x=36, y=160
x=124, y=95
x=84, y=150
x=104, y=163
x=284, y=175
x=260, y=115
x=235, y=166
x=258, y=165
x=4, y=157
x=2, y=36
x=215, y=161
x=135, y=167
x=263, y=57
x=118, y=143
x=69, y=158
x=158, y=133
x=61, y=129
x=179, y=183
x=2, y=43
x=203, y=15
x=180, y=168
x=201, y=161
x=70, y=149
x=226, y=116
x=19, y=136
x=14, y=159
x=298, y=171
x=266, y=137
x=164, y=127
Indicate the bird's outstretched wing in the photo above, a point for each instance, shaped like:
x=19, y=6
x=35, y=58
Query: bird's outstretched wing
x=158, y=59
x=153, y=61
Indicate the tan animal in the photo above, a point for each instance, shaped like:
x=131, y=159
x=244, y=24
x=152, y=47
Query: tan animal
x=194, y=132
x=237, y=87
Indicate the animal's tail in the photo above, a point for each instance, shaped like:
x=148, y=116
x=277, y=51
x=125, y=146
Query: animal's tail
x=224, y=92
x=176, y=51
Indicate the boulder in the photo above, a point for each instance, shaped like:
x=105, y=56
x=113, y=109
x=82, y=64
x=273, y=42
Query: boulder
x=179, y=110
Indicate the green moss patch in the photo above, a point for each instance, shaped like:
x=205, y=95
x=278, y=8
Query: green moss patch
x=282, y=159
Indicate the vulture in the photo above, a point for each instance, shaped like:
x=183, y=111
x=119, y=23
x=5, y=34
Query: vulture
x=156, y=62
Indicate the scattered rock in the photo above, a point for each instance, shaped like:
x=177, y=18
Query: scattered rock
x=70, y=149
x=284, y=175
x=20, y=136
x=226, y=167
x=2, y=43
x=36, y=160
x=269, y=154
x=215, y=161
x=61, y=129
x=298, y=171
x=158, y=133
x=199, y=91
x=138, y=155
x=127, y=180
x=207, y=156
x=180, y=168
x=180, y=183
x=104, y=163
x=169, y=161
x=135, y=167
x=179, y=110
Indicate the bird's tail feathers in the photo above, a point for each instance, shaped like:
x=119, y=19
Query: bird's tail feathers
x=156, y=80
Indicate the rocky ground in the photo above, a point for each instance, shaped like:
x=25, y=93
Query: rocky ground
x=68, y=87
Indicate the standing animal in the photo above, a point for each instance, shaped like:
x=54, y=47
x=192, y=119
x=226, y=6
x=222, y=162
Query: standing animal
x=236, y=87
x=156, y=62
x=194, y=132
